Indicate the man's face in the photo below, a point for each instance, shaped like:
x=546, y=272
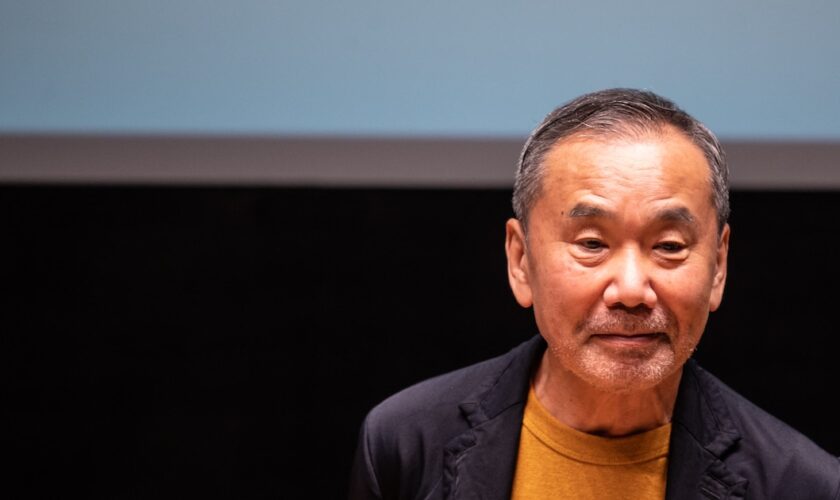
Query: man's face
x=623, y=260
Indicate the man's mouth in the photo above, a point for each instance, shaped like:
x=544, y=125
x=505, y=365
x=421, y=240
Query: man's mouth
x=629, y=339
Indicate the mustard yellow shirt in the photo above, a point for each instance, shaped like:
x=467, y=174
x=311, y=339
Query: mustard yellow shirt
x=556, y=461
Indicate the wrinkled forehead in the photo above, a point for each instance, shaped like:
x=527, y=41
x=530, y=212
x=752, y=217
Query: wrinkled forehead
x=658, y=163
x=632, y=136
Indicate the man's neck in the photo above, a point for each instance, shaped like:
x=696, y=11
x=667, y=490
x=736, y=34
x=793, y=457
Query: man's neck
x=586, y=408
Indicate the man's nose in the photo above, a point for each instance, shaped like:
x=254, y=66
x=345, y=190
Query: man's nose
x=630, y=283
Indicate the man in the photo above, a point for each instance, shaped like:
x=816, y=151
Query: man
x=620, y=245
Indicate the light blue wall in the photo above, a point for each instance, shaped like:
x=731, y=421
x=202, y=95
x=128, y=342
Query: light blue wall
x=749, y=68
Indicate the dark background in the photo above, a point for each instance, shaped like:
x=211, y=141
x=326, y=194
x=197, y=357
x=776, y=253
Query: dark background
x=164, y=342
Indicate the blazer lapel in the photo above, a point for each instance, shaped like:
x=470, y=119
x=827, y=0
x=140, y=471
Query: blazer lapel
x=702, y=433
x=695, y=473
x=480, y=463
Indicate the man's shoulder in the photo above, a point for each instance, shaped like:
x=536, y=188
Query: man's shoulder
x=785, y=455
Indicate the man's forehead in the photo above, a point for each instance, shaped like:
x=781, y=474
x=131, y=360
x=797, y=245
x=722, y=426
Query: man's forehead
x=662, y=156
x=590, y=176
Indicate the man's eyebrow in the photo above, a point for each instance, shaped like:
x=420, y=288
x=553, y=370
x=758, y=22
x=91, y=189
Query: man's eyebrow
x=676, y=214
x=583, y=210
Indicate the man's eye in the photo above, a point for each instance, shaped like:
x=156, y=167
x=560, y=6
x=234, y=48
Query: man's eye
x=592, y=244
x=670, y=246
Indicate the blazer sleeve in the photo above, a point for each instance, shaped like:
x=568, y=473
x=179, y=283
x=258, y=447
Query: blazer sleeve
x=363, y=481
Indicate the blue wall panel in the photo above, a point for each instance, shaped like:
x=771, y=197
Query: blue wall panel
x=750, y=69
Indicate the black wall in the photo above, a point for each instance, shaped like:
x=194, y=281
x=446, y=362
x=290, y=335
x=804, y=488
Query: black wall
x=226, y=342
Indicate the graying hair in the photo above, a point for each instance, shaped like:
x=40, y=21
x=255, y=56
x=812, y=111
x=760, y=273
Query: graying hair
x=615, y=112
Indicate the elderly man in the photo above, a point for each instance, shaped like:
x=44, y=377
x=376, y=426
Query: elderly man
x=619, y=244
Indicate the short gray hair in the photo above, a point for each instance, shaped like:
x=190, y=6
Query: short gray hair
x=611, y=112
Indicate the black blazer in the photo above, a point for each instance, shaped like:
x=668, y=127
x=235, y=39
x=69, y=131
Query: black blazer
x=456, y=436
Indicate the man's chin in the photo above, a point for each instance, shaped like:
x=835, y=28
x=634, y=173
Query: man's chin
x=627, y=370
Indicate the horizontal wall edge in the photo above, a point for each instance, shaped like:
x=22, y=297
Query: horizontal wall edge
x=350, y=161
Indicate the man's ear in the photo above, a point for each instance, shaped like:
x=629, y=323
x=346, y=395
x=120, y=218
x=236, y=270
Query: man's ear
x=517, y=262
x=719, y=279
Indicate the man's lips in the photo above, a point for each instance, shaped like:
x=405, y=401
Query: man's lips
x=629, y=339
